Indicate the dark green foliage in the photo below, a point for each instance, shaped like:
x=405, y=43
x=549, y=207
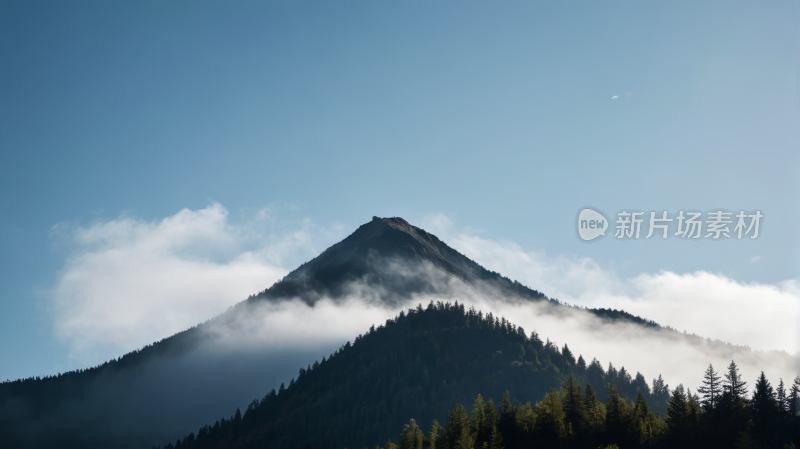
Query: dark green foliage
x=575, y=415
x=618, y=416
x=412, y=437
x=628, y=424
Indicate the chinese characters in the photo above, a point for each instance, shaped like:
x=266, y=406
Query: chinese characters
x=689, y=225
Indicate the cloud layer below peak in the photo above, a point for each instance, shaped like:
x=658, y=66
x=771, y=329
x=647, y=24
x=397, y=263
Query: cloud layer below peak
x=130, y=282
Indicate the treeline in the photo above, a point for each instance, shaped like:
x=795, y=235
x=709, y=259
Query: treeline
x=420, y=364
x=720, y=416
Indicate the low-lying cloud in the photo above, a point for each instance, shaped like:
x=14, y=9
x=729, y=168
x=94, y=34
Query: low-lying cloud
x=679, y=357
x=762, y=316
x=131, y=282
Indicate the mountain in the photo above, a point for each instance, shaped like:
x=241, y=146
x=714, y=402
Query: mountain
x=395, y=258
x=397, y=261
x=155, y=394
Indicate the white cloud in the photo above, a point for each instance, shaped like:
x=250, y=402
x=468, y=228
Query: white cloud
x=131, y=282
x=615, y=97
x=755, y=259
x=762, y=316
x=294, y=325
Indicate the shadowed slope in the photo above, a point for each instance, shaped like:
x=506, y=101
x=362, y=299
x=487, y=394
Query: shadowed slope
x=397, y=259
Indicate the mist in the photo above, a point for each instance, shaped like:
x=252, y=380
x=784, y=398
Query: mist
x=679, y=357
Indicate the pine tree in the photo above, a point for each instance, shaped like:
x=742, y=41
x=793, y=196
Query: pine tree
x=411, y=437
x=437, y=436
x=734, y=385
x=677, y=417
x=660, y=389
x=780, y=395
x=476, y=422
x=644, y=421
x=496, y=439
x=506, y=424
x=765, y=412
x=616, y=417
x=549, y=425
x=457, y=423
x=640, y=384
x=567, y=354
x=611, y=374
x=490, y=421
x=711, y=389
x=574, y=406
x=794, y=398
x=464, y=440
x=593, y=408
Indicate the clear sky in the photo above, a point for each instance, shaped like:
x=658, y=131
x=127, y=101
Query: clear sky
x=504, y=117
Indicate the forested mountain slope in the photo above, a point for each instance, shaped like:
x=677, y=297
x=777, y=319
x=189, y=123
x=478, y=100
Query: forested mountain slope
x=416, y=365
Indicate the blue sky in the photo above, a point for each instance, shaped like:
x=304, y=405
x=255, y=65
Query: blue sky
x=499, y=117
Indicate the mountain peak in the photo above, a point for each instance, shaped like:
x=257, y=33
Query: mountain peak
x=396, y=260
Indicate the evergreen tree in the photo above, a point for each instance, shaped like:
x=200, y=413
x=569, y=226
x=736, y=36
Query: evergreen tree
x=567, y=354
x=411, y=437
x=457, y=424
x=660, y=391
x=549, y=426
x=477, y=420
x=794, y=398
x=611, y=374
x=640, y=384
x=437, y=436
x=711, y=390
x=595, y=372
x=765, y=412
x=594, y=409
x=677, y=417
x=496, y=439
x=524, y=425
x=616, y=417
x=507, y=424
x=780, y=396
x=734, y=385
x=648, y=427
x=574, y=405
x=464, y=440
x=489, y=428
